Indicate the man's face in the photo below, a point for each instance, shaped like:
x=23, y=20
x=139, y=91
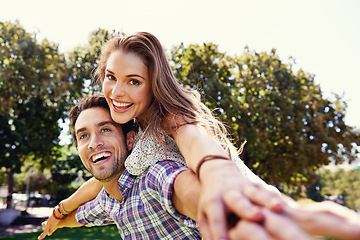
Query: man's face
x=101, y=144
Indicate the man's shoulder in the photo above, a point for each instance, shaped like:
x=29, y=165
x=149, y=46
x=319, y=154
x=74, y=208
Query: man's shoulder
x=162, y=171
x=166, y=165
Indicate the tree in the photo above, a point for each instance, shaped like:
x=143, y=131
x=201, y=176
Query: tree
x=290, y=128
x=83, y=60
x=344, y=183
x=33, y=99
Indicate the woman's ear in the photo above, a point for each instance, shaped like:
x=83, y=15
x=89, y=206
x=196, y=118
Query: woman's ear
x=130, y=138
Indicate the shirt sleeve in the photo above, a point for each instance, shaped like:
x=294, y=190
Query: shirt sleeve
x=162, y=176
x=92, y=213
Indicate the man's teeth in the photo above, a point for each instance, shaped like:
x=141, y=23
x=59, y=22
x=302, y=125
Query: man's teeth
x=100, y=155
x=117, y=104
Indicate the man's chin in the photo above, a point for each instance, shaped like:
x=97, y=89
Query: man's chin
x=104, y=178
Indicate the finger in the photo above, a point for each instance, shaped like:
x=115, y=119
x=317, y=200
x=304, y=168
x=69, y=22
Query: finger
x=335, y=209
x=204, y=227
x=248, y=230
x=47, y=228
x=288, y=229
x=242, y=207
x=262, y=196
x=216, y=220
x=323, y=222
x=43, y=234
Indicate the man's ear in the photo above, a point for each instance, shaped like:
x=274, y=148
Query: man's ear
x=130, y=138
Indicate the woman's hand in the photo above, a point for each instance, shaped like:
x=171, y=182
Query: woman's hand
x=225, y=192
x=326, y=219
x=49, y=226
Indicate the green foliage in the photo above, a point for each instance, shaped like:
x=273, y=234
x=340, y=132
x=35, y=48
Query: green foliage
x=33, y=99
x=65, y=172
x=83, y=60
x=290, y=128
x=341, y=182
x=32, y=87
x=31, y=178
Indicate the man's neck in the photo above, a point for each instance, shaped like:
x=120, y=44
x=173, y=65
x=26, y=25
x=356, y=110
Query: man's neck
x=112, y=187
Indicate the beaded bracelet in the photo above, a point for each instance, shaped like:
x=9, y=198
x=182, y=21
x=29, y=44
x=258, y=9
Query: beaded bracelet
x=58, y=218
x=208, y=158
x=62, y=208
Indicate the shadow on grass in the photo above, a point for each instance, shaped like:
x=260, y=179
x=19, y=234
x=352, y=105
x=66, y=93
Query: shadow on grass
x=82, y=233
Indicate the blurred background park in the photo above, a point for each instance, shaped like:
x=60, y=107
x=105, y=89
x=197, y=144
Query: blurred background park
x=282, y=75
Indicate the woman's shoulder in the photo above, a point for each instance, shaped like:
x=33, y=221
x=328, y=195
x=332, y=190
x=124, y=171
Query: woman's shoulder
x=173, y=121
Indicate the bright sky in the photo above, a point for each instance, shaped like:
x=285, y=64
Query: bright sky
x=322, y=35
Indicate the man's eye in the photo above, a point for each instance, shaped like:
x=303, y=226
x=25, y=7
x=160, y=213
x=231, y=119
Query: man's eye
x=134, y=82
x=82, y=136
x=106, y=130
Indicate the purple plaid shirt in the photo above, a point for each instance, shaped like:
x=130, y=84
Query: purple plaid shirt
x=146, y=211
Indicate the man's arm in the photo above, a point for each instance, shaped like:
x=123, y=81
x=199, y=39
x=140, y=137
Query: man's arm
x=186, y=194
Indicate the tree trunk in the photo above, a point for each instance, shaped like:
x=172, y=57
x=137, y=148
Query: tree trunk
x=9, y=201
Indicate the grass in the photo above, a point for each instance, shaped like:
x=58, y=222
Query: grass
x=82, y=233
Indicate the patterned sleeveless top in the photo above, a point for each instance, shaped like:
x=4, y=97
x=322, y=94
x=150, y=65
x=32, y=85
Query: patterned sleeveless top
x=147, y=151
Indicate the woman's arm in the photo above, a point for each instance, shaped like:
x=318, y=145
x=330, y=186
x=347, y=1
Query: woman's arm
x=326, y=219
x=87, y=192
x=220, y=181
x=68, y=221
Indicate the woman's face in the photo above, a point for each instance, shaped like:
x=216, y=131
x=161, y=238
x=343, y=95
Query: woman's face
x=126, y=86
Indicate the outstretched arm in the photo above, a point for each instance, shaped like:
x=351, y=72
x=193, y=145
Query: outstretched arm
x=68, y=221
x=220, y=178
x=87, y=192
x=326, y=219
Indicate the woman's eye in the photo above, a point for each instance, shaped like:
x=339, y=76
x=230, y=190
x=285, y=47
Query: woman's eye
x=110, y=77
x=134, y=82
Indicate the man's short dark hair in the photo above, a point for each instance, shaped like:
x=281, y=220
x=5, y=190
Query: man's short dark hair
x=91, y=102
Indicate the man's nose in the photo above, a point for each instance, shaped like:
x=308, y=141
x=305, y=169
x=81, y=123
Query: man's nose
x=95, y=142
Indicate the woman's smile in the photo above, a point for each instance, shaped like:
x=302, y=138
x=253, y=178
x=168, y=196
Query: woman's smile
x=126, y=86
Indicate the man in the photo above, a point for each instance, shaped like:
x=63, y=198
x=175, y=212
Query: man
x=141, y=207
x=161, y=203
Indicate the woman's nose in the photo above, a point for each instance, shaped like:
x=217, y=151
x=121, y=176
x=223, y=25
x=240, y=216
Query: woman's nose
x=119, y=89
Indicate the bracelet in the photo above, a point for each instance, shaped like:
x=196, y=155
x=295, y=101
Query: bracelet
x=62, y=214
x=208, y=158
x=58, y=218
x=62, y=208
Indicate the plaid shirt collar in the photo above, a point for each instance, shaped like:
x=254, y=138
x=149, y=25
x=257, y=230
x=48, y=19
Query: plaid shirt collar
x=126, y=181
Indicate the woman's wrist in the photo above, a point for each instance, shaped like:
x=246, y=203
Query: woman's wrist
x=62, y=208
x=57, y=213
x=209, y=158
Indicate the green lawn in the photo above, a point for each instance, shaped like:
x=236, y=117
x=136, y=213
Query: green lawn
x=104, y=232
